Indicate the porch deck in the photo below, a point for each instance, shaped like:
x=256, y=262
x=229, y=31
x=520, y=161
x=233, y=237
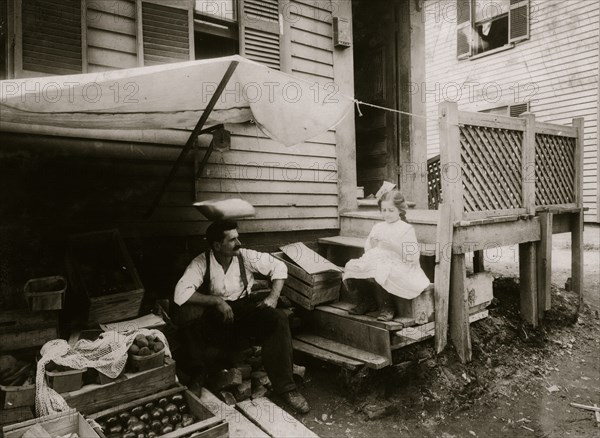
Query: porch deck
x=498, y=181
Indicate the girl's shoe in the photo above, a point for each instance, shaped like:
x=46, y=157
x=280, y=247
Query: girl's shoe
x=362, y=308
x=386, y=314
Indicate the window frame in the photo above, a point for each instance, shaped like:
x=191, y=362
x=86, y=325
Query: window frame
x=471, y=23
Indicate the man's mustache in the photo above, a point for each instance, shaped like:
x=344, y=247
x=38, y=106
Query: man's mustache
x=235, y=248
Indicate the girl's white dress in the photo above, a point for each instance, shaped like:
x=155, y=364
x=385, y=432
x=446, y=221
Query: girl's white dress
x=391, y=258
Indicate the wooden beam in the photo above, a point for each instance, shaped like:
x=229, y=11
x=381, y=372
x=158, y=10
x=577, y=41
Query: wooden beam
x=327, y=356
x=345, y=134
x=450, y=158
x=495, y=235
x=544, y=264
x=443, y=260
x=577, y=256
x=578, y=123
x=459, y=309
x=528, y=283
x=528, y=163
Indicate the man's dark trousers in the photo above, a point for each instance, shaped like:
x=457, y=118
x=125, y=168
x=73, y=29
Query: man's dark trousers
x=270, y=327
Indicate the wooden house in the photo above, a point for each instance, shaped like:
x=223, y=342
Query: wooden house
x=56, y=181
x=545, y=62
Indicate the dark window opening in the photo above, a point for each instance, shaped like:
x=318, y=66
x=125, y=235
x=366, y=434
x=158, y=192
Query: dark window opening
x=216, y=31
x=491, y=35
x=213, y=46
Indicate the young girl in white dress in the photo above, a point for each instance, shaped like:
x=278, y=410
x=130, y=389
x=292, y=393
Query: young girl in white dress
x=390, y=262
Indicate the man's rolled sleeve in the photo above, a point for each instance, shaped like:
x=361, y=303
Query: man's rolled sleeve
x=190, y=281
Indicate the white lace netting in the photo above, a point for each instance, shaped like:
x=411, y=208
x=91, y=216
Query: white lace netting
x=107, y=354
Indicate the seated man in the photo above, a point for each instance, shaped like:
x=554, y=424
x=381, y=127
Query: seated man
x=216, y=306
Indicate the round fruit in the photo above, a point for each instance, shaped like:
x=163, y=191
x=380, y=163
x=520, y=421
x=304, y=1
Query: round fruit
x=177, y=399
x=167, y=429
x=163, y=402
x=134, y=349
x=183, y=409
x=144, y=351
x=123, y=417
x=145, y=417
x=149, y=406
x=158, y=346
x=171, y=409
x=141, y=341
x=111, y=421
x=156, y=425
x=137, y=411
x=164, y=420
x=175, y=418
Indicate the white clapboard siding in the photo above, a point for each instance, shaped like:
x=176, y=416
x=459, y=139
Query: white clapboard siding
x=111, y=35
x=312, y=40
x=556, y=70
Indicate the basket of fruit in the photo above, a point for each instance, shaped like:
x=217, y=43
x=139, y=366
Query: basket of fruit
x=146, y=352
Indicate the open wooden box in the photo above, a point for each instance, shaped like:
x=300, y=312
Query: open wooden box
x=103, y=276
x=59, y=424
x=207, y=425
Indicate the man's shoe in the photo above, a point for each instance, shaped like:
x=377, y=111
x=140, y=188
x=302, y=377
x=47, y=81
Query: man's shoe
x=296, y=401
x=386, y=314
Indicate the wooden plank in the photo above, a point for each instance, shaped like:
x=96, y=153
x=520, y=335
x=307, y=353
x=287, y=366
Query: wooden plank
x=119, y=8
x=307, y=259
x=555, y=129
x=300, y=274
x=495, y=235
x=107, y=40
x=544, y=264
x=341, y=308
x=442, y=275
x=528, y=283
x=450, y=158
x=315, y=291
x=297, y=297
x=490, y=121
x=274, y=420
x=136, y=402
x=239, y=425
x=92, y=398
x=16, y=415
x=577, y=256
x=326, y=356
x=369, y=359
x=459, y=309
x=103, y=20
x=349, y=332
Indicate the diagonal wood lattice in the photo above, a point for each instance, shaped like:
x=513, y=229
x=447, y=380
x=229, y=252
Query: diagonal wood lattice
x=434, y=182
x=554, y=169
x=491, y=168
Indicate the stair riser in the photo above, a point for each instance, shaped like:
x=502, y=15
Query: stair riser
x=361, y=227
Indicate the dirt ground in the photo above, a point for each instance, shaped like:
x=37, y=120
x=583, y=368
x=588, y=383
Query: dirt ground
x=520, y=382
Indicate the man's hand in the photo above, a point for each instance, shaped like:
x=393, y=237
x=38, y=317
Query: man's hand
x=225, y=310
x=270, y=301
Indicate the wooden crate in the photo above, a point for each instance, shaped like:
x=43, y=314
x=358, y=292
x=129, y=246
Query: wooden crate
x=24, y=329
x=92, y=398
x=207, y=426
x=17, y=396
x=309, y=290
x=103, y=277
x=60, y=424
x=15, y=415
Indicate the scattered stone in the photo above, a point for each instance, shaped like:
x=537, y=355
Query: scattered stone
x=552, y=389
x=227, y=397
x=243, y=391
x=227, y=378
x=258, y=392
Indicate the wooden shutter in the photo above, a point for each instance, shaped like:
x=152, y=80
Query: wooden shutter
x=50, y=37
x=260, y=32
x=518, y=109
x=518, y=21
x=463, y=28
x=166, y=31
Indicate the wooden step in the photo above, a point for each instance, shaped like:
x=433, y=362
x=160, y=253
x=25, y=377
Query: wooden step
x=341, y=308
x=327, y=356
x=348, y=332
x=367, y=358
x=359, y=242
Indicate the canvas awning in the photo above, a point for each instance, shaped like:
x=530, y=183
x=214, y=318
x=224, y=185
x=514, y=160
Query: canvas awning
x=286, y=108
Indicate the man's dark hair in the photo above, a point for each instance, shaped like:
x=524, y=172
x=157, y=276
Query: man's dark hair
x=216, y=231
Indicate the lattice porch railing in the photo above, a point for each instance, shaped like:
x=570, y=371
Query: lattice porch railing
x=492, y=165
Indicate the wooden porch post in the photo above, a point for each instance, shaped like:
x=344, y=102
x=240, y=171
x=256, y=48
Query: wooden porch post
x=544, y=264
x=452, y=188
x=527, y=251
x=577, y=220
